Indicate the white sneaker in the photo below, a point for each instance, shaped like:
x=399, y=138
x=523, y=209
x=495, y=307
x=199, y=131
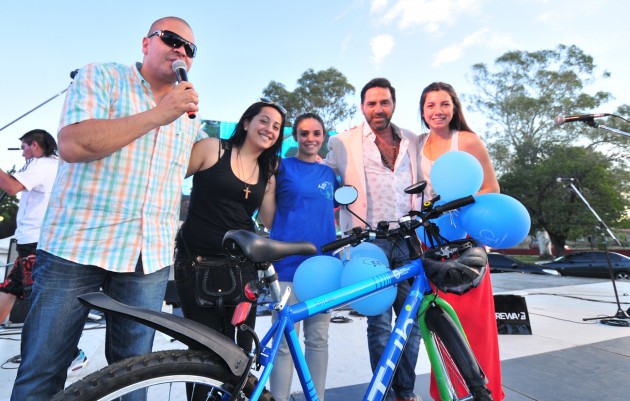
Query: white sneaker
x=78, y=363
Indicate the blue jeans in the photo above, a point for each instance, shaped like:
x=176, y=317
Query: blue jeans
x=55, y=321
x=380, y=328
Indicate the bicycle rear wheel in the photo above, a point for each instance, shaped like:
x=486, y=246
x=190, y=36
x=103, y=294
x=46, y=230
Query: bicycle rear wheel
x=163, y=376
x=461, y=374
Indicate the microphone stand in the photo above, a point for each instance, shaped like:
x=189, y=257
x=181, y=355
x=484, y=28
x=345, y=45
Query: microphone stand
x=592, y=123
x=610, y=320
x=72, y=74
x=615, y=130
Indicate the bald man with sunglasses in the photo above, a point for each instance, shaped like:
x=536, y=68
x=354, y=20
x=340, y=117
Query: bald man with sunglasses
x=124, y=142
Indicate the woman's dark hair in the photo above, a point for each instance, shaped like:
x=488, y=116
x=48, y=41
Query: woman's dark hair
x=268, y=160
x=306, y=116
x=43, y=139
x=379, y=83
x=459, y=121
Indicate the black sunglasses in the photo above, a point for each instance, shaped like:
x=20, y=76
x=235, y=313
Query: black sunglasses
x=271, y=102
x=174, y=40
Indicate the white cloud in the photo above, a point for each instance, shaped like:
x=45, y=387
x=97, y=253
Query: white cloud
x=553, y=12
x=345, y=43
x=377, y=5
x=501, y=42
x=455, y=52
x=382, y=46
x=431, y=15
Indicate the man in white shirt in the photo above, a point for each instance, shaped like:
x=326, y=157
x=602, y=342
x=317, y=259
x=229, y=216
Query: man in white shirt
x=379, y=160
x=34, y=181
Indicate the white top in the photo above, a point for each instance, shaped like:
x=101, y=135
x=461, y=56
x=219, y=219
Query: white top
x=37, y=176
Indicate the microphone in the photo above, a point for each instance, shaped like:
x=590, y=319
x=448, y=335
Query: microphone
x=179, y=68
x=582, y=117
x=560, y=179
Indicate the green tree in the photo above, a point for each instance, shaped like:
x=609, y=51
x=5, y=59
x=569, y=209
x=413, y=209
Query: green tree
x=525, y=92
x=520, y=96
x=8, y=213
x=557, y=208
x=325, y=92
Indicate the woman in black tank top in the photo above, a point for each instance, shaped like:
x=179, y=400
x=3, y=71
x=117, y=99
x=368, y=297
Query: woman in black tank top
x=231, y=180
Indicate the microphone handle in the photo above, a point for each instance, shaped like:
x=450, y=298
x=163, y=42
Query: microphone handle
x=182, y=76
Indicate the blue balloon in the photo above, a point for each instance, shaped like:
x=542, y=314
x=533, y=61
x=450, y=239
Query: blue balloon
x=496, y=220
x=455, y=175
x=450, y=227
x=358, y=269
x=368, y=250
x=316, y=276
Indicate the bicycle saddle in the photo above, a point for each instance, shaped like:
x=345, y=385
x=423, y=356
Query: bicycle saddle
x=260, y=249
x=456, y=267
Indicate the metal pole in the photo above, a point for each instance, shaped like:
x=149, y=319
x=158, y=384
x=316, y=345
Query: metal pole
x=72, y=74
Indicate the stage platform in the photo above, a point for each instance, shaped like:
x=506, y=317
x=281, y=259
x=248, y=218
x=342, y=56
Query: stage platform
x=564, y=359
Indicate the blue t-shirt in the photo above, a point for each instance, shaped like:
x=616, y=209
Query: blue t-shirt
x=304, y=209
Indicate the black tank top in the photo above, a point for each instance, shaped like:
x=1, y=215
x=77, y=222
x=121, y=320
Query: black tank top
x=218, y=204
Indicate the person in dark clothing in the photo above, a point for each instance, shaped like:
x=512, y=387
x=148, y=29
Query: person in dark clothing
x=231, y=180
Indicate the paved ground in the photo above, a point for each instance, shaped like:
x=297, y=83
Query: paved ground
x=564, y=358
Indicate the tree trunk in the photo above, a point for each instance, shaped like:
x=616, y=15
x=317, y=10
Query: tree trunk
x=558, y=244
x=544, y=245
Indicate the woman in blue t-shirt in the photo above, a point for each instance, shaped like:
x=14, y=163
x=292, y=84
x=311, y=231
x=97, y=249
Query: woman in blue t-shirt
x=304, y=212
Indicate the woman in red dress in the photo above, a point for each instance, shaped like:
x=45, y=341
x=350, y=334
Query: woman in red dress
x=442, y=114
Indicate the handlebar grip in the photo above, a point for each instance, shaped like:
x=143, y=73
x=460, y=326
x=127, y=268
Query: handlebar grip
x=331, y=246
x=456, y=204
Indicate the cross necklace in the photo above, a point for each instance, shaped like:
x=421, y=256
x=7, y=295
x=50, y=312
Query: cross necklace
x=241, y=173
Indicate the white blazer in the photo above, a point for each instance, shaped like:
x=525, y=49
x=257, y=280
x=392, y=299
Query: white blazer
x=345, y=157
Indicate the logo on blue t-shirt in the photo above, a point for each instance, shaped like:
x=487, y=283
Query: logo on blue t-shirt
x=326, y=188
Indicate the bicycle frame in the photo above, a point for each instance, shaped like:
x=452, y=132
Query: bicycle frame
x=384, y=371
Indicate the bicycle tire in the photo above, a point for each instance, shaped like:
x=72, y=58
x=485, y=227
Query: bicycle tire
x=163, y=375
x=463, y=374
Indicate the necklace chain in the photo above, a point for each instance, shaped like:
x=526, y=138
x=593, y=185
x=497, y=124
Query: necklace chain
x=389, y=153
x=431, y=152
x=246, y=181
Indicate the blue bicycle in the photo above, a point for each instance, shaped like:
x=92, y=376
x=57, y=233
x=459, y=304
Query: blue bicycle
x=224, y=369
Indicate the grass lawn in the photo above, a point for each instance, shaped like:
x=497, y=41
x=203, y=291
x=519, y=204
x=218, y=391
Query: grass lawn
x=527, y=258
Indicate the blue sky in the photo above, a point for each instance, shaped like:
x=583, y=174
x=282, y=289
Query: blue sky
x=245, y=44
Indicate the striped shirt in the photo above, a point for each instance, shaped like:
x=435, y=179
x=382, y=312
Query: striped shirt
x=110, y=211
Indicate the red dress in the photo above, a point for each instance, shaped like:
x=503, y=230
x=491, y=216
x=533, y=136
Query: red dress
x=475, y=310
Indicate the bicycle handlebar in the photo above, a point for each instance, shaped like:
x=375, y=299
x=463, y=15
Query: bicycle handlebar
x=353, y=238
x=452, y=205
x=406, y=224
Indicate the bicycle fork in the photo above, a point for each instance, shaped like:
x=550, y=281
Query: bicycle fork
x=440, y=318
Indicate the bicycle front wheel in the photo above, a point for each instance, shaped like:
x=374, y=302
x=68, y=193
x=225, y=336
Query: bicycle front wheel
x=163, y=375
x=460, y=377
